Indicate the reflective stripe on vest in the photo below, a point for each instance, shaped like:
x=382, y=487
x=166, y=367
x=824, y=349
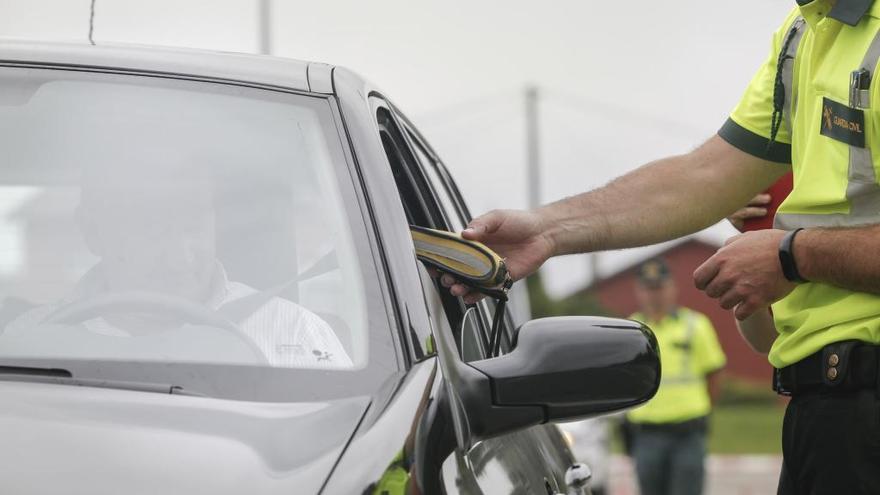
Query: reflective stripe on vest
x=862, y=190
x=686, y=375
x=788, y=71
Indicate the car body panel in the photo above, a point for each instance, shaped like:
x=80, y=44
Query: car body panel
x=523, y=462
x=104, y=441
x=392, y=228
x=374, y=450
x=256, y=69
x=320, y=78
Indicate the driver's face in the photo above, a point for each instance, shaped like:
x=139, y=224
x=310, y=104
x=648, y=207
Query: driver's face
x=154, y=236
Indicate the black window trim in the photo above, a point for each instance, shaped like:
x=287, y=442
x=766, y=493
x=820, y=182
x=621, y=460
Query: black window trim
x=447, y=182
x=435, y=216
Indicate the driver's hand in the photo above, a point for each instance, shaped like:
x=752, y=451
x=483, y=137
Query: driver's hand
x=520, y=237
x=756, y=208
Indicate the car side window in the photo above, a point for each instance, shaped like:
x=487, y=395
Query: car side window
x=425, y=202
x=444, y=197
x=486, y=308
x=418, y=200
x=468, y=336
x=443, y=177
x=457, y=215
x=415, y=193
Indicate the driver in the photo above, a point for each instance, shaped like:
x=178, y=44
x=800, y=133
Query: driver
x=150, y=221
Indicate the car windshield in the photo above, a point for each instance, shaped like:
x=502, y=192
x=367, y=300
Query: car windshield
x=186, y=233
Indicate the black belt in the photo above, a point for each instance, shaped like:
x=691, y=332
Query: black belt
x=839, y=367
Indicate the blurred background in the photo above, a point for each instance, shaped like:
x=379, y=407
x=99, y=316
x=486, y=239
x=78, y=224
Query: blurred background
x=525, y=102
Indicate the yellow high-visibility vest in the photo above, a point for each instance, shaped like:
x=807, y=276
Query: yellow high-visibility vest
x=829, y=134
x=689, y=351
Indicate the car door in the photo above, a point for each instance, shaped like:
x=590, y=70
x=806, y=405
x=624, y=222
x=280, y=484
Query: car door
x=543, y=445
x=529, y=461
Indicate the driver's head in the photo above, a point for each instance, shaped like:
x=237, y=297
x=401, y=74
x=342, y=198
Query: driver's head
x=149, y=216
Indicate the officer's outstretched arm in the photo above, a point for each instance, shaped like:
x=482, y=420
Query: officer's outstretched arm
x=662, y=200
x=659, y=201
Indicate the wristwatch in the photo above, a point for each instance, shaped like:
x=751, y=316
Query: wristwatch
x=786, y=258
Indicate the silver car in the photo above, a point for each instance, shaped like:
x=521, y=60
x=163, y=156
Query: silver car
x=208, y=285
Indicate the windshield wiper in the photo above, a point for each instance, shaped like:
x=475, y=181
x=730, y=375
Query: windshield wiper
x=61, y=376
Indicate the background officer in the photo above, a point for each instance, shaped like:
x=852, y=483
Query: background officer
x=812, y=108
x=669, y=432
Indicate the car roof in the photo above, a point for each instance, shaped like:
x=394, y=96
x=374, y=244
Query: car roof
x=256, y=69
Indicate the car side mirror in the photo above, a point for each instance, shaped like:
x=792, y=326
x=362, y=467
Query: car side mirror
x=560, y=368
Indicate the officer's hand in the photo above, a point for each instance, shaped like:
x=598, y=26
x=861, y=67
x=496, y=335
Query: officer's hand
x=756, y=208
x=520, y=237
x=745, y=274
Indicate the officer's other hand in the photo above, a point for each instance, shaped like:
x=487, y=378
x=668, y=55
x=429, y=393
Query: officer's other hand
x=756, y=208
x=520, y=237
x=745, y=274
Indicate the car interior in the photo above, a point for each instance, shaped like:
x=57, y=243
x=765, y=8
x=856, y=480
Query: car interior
x=272, y=232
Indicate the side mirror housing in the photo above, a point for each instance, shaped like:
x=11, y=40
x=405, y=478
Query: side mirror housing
x=560, y=368
x=577, y=366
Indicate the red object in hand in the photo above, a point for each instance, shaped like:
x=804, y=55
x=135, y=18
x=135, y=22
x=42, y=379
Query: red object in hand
x=778, y=192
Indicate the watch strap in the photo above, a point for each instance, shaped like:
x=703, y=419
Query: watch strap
x=786, y=258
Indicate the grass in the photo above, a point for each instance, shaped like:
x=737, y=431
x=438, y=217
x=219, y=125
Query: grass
x=746, y=429
x=739, y=429
x=746, y=420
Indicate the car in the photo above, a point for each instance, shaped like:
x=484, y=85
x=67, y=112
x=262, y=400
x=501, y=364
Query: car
x=208, y=285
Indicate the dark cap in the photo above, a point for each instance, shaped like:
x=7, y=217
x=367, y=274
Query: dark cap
x=653, y=272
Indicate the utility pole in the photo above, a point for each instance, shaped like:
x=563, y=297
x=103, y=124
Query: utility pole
x=533, y=166
x=533, y=157
x=265, y=26
x=538, y=299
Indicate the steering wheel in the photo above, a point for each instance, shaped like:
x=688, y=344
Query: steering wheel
x=147, y=302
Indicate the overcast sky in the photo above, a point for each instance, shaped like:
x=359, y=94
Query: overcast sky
x=621, y=83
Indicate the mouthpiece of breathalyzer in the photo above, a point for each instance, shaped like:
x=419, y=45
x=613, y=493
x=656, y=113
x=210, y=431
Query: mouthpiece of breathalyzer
x=471, y=262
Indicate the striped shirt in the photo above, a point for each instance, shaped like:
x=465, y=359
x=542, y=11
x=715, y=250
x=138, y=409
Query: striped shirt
x=288, y=335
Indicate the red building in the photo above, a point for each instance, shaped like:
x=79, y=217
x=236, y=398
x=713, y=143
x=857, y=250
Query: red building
x=616, y=294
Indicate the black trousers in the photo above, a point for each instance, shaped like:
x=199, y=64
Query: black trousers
x=831, y=444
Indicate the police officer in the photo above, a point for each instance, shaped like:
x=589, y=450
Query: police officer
x=669, y=432
x=812, y=107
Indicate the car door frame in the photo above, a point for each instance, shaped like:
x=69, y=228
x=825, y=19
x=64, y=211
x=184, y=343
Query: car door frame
x=518, y=443
x=548, y=434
